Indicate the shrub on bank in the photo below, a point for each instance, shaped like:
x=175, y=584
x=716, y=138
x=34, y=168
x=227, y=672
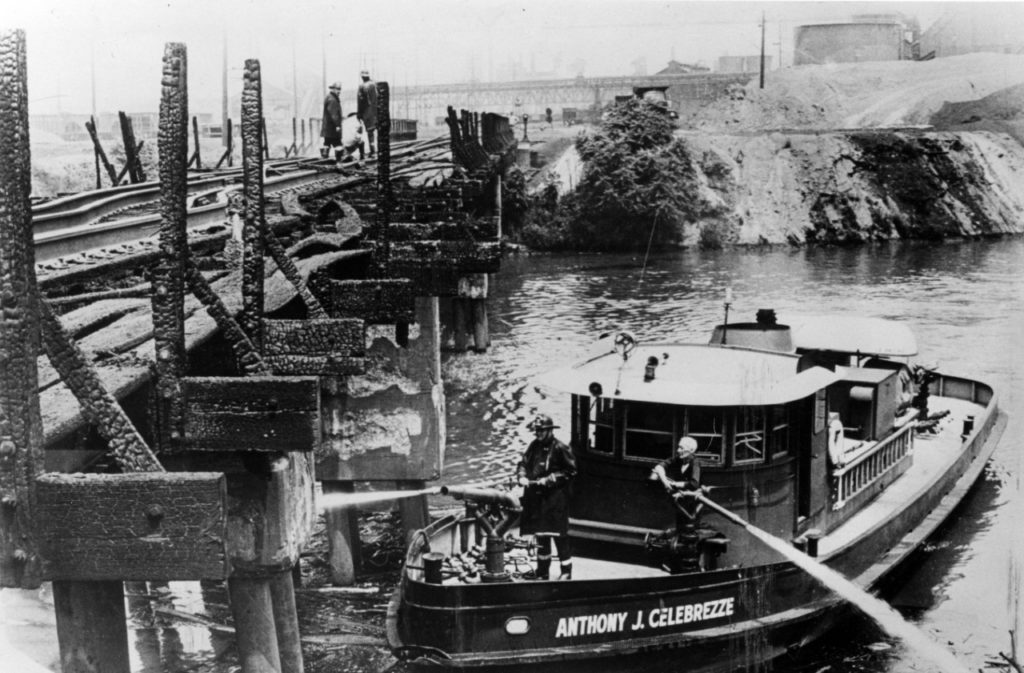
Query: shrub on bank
x=639, y=188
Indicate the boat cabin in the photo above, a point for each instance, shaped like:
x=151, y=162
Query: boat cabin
x=790, y=437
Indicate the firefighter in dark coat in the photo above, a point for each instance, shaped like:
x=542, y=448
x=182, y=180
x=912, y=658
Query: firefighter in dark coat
x=546, y=471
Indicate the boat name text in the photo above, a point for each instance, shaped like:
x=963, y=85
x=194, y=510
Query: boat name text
x=655, y=618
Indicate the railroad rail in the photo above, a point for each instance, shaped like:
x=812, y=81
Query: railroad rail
x=87, y=223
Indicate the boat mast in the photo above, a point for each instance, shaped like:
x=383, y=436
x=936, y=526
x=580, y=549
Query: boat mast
x=725, y=324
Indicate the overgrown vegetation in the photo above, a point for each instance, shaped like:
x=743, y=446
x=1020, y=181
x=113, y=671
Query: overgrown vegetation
x=640, y=187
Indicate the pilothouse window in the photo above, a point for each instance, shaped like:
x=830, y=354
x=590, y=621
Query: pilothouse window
x=749, y=444
x=601, y=425
x=706, y=425
x=778, y=431
x=650, y=431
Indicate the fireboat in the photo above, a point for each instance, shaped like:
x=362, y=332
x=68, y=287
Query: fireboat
x=821, y=432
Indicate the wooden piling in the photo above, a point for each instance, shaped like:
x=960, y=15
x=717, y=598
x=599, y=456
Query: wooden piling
x=92, y=628
x=460, y=324
x=414, y=511
x=97, y=148
x=481, y=331
x=286, y=621
x=21, y=446
x=343, y=541
x=472, y=292
x=255, y=632
x=196, y=157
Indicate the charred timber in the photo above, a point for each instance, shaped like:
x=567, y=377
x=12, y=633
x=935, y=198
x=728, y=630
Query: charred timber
x=325, y=347
x=479, y=230
x=132, y=526
x=21, y=431
x=252, y=231
x=169, y=275
x=375, y=300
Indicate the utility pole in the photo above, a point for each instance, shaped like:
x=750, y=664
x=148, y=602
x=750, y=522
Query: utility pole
x=295, y=84
x=762, y=50
x=92, y=78
x=225, y=141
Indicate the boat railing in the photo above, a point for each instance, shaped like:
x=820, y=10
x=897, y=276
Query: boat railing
x=865, y=469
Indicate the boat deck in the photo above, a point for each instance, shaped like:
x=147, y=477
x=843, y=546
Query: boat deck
x=584, y=568
x=933, y=455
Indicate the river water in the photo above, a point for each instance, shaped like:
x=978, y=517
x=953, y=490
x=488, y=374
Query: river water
x=965, y=301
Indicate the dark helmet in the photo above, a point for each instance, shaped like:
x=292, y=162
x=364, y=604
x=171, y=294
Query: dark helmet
x=543, y=422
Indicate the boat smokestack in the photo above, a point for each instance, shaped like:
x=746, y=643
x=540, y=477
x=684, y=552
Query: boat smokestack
x=764, y=334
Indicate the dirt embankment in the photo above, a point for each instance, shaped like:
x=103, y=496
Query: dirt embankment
x=865, y=151
x=858, y=95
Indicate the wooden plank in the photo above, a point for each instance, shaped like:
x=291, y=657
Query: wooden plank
x=465, y=230
x=257, y=413
x=429, y=281
x=461, y=256
x=132, y=336
x=382, y=301
x=328, y=336
x=319, y=347
x=315, y=365
x=140, y=526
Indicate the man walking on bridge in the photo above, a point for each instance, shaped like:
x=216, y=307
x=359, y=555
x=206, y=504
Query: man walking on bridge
x=366, y=110
x=331, y=127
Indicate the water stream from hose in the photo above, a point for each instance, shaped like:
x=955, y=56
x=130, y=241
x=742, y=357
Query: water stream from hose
x=877, y=609
x=333, y=501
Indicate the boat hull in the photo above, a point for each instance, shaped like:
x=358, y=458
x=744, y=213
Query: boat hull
x=747, y=614
x=713, y=616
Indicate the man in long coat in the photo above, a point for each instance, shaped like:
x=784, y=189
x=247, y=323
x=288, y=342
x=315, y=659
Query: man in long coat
x=366, y=110
x=546, y=471
x=331, y=127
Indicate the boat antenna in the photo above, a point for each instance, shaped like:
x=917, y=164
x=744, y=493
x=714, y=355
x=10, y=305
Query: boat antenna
x=725, y=324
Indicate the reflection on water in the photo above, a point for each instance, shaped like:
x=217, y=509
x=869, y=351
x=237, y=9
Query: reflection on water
x=965, y=301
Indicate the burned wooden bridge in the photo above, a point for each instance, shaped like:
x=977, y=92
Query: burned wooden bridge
x=173, y=422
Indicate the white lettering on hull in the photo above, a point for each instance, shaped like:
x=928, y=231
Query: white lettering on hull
x=656, y=618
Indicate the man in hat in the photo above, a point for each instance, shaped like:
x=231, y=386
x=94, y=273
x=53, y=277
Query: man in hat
x=330, y=129
x=366, y=110
x=546, y=471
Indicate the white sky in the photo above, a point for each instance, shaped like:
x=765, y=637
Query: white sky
x=402, y=41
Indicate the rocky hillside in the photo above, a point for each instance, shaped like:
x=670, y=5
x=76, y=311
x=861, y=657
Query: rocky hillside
x=849, y=187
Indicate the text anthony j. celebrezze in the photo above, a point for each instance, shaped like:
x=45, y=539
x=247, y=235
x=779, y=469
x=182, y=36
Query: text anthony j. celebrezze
x=614, y=622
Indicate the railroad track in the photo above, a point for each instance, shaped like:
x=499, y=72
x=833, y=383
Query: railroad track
x=124, y=217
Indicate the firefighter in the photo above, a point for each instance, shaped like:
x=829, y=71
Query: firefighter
x=546, y=471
